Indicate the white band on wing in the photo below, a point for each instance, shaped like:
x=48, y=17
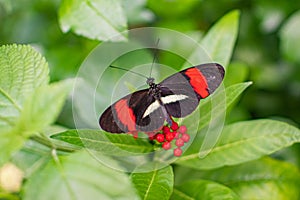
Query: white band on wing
x=166, y=100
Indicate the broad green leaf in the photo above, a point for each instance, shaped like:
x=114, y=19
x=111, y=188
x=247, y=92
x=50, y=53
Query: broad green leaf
x=244, y=141
x=219, y=42
x=95, y=19
x=207, y=110
x=262, y=179
x=77, y=176
x=290, y=38
x=43, y=106
x=212, y=118
x=157, y=184
x=106, y=143
x=22, y=71
x=202, y=189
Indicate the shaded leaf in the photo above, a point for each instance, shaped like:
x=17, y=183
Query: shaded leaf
x=244, y=141
x=157, y=184
x=95, y=19
x=32, y=157
x=262, y=179
x=106, y=143
x=202, y=189
x=77, y=176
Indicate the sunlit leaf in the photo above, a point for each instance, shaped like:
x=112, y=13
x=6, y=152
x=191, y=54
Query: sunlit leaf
x=95, y=19
x=244, y=141
x=106, y=143
x=23, y=70
x=212, y=118
x=219, y=42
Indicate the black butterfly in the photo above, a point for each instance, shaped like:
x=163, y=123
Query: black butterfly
x=176, y=96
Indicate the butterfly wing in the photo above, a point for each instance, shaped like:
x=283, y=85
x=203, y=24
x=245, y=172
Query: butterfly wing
x=182, y=91
x=127, y=114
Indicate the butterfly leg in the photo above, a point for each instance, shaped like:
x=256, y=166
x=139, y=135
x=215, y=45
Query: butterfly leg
x=165, y=112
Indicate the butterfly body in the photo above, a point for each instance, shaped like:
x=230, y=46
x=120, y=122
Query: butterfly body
x=176, y=96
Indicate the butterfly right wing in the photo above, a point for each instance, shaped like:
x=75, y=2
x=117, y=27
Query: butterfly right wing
x=182, y=91
x=128, y=114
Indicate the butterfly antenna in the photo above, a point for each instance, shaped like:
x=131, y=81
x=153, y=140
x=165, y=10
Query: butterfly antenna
x=129, y=71
x=154, y=57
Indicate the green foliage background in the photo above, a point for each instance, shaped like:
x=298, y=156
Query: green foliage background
x=255, y=158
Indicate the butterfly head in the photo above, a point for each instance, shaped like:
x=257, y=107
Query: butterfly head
x=150, y=81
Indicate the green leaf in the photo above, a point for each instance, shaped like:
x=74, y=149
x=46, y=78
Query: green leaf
x=202, y=189
x=290, y=38
x=157, y=184
x=262, y=179
x=77, y=176
x=207, y=109
x=10, y=142
x=136, y=12
x=98, y=85
x=95, y=19
x=212, y=118
x=43, y=106
x=106, y=143
x=244, y=141
x=219, y=42
x=22, y=71
x=236, y=72
x=32, y=157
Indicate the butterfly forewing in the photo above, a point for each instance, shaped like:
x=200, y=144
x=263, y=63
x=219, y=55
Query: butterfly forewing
x=189, y=86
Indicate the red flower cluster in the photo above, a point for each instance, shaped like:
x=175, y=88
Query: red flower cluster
x=169, y=133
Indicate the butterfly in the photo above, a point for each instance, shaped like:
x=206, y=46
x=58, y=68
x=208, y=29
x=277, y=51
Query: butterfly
x=177, y=96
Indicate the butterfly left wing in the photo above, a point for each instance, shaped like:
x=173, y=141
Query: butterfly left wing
x=182, y=91
x=128, y=114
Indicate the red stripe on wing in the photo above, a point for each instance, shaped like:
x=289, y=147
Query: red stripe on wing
x=125, y=115
x=197, y=81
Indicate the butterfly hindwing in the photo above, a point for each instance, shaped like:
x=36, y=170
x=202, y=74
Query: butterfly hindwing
x=127, y=114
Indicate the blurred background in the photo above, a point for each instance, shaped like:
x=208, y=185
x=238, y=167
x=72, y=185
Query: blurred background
x=267, y=51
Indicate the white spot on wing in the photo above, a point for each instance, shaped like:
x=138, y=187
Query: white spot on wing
x=166, y=100
x=173, y=98
x=151, y=108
